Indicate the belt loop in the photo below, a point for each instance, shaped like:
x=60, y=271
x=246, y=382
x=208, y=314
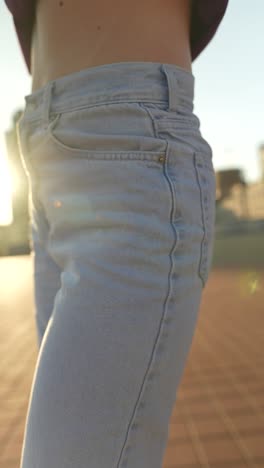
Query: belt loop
x=47, y=96
x=173, y=96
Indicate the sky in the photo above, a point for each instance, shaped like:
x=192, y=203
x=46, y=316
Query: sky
x=229, y=88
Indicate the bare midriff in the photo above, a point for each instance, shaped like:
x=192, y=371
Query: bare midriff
x=71, y=35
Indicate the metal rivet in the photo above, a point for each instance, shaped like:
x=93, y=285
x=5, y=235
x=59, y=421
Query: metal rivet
x=161, y=159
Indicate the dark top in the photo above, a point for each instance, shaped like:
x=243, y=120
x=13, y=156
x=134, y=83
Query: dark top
x=205, y=19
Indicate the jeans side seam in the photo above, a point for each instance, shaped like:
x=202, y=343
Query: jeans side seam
x=203, y=220
x=158, y=343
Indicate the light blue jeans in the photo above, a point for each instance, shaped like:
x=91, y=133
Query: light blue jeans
x=122, y=215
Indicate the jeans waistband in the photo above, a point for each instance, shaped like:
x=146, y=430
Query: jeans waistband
x=115, y=82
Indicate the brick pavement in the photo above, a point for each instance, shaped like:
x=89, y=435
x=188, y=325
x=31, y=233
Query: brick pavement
x=218, y=421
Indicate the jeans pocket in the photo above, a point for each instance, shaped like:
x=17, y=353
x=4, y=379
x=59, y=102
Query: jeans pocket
x=112, y=129
x=206, y=181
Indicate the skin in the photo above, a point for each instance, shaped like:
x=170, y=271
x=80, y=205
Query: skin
x=70, y=35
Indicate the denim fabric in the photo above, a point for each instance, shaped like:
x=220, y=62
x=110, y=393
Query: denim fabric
x=122, y=214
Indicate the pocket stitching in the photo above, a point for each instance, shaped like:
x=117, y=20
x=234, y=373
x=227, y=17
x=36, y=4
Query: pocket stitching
x=153, y=121
x=152, y=156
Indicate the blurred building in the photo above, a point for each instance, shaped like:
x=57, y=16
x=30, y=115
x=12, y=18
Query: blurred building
x=261, y=159
x=226, y=180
